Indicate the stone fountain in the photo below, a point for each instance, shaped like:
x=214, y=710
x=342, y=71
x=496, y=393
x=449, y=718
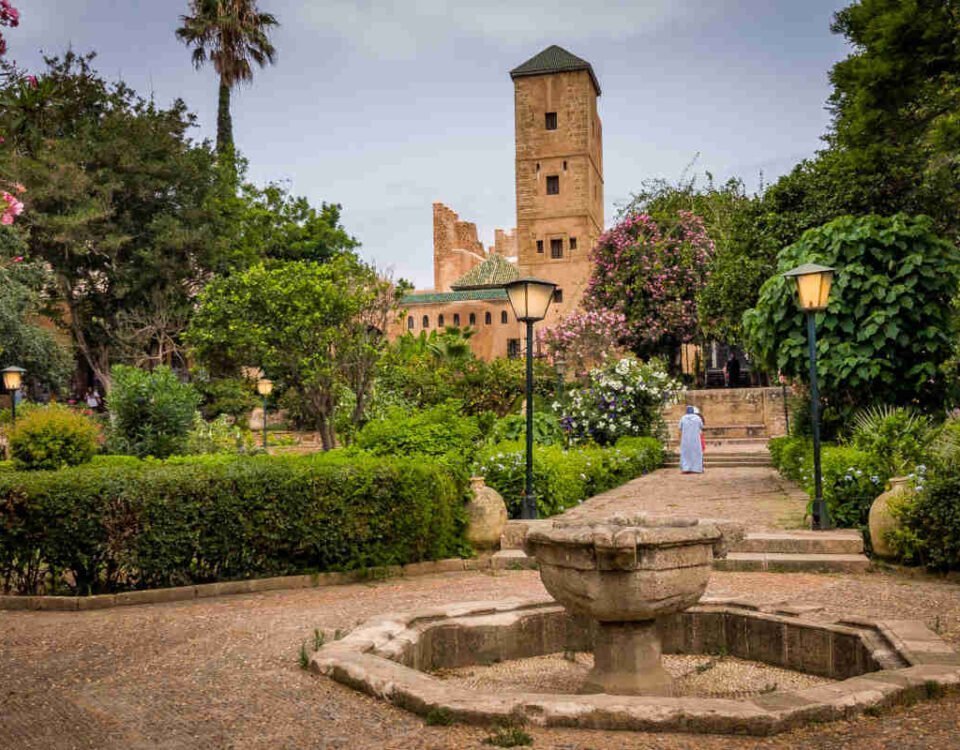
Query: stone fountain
x=624, y=573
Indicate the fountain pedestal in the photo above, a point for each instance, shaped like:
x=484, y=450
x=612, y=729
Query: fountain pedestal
x=624, y=573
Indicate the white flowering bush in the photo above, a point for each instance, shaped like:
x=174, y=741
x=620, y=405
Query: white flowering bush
x=622, y=399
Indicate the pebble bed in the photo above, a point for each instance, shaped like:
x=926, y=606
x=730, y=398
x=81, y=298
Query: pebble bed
x=695, y=675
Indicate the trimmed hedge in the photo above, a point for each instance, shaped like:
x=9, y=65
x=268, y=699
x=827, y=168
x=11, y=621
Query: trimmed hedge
x=564, y=478
x=128, y=525
x=852, y=479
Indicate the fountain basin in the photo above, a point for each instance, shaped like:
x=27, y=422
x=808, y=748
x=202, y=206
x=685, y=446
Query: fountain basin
x=624, y=573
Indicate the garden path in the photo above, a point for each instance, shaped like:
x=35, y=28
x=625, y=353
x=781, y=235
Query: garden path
x=222, y=673
x=755, y=496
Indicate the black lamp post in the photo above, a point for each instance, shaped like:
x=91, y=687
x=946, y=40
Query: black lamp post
x=12, y=381
x=813, y=289
x=530, y=299
x=264, y=388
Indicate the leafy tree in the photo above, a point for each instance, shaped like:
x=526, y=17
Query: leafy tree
x=889, y=325
x=23, y=341
x=745, y=250
x=118, y=204
x=894, y=142
x=305, y=323
x=584, y=338
x=233, y=35
x=652, y=273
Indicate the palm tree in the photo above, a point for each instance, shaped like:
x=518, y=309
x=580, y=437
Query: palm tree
x=231, y=34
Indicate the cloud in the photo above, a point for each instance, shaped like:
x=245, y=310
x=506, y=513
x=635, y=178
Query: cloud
x=401, y=28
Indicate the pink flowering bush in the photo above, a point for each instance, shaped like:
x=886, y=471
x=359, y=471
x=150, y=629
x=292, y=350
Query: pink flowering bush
x=584, y=338
x=9, y=16
x=10, y=208
x=652, y=273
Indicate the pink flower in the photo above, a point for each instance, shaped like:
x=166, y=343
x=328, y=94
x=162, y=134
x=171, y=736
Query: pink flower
x=32, y=80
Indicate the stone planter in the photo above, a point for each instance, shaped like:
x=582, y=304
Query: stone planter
x=881, y=520
x=624, y=574
x=487, y=516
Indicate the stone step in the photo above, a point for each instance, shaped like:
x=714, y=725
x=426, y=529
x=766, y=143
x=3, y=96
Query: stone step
x=836, y=542
x=512, y=559
x=730, y=464
x=775, y=562
x=729, y=431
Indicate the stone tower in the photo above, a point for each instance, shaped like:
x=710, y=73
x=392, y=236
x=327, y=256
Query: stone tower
x=559, y=171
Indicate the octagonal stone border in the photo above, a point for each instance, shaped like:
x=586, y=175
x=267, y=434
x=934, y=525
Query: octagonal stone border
x=876, y=663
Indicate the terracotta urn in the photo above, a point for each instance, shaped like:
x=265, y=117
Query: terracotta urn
x=881, y=520
x=486, y=514
x=624, y=573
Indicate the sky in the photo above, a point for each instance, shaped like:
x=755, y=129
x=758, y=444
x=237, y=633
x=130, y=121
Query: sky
x=386, y=107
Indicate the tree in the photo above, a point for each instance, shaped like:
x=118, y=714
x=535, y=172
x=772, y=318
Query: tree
x=23, y=340
x=652, y=273
x=584, y=338
x=233, y=35
x=306, y=324
x=889, y=327
x=894, y=141
x=118, y=202
x=744, y=250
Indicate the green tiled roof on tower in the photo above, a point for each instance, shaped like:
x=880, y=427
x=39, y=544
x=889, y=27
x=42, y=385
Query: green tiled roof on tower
x=495, y=271
x=554, y=59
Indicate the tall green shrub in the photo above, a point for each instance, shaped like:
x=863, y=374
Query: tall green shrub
x=151, y=412
x=889, y=325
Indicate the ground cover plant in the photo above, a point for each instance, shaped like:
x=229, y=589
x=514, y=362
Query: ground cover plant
x=129, y=524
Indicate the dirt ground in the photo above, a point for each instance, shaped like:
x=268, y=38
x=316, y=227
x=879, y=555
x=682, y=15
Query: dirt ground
x=223, y=673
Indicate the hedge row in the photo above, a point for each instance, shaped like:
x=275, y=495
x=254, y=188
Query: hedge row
x=852, y=479
x=564, y=478
x=131, y=524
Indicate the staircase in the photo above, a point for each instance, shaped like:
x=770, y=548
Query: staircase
x=729, y=457
x=837, y=551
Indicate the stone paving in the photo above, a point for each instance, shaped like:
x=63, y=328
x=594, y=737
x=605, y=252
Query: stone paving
x=755, y=496
x=222, y=673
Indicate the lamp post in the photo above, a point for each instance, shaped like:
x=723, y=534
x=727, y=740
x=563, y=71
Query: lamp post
x=264, y=388
x=813, y=289
x=12, y=381
x=530, y=299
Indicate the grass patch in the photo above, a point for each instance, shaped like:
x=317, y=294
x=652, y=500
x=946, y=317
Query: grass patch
x=509, y=737
x=439, y=717
x=304, y=658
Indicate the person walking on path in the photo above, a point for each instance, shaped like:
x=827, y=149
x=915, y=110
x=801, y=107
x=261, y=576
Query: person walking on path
x=691, y=447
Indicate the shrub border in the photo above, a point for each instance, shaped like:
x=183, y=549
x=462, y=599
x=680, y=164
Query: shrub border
x=248, y=586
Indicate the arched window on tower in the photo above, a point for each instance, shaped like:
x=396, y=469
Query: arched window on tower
x=426, y=321
x=503, y=317
x=456, y=319
x=440, y=320
x=410, y=322
x=473, y=319
x=488, y=318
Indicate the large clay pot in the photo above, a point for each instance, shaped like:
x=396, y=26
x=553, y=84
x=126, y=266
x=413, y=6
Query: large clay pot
x=881, y=520
x=487, y=516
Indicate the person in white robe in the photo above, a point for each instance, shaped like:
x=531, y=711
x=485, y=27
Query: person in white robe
x=691, y=447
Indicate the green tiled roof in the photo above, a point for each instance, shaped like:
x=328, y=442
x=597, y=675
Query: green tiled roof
x=470, y=295
x=554, y=59
x=495, y=271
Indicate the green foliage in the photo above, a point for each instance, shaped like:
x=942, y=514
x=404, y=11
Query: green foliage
x=151, y=413
x=564, y=478
x=945, y=445
x=852, y=478
x=439, y=717
x=22, y=341
x=221, y=435
x=433, y=432
x=898, y=436
x=315, y=328
x=235, y=397
x=546, y=429
x=52, y=437
x=889, y=325
x=930, y=522
x=213, y=518
x=509, y=736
